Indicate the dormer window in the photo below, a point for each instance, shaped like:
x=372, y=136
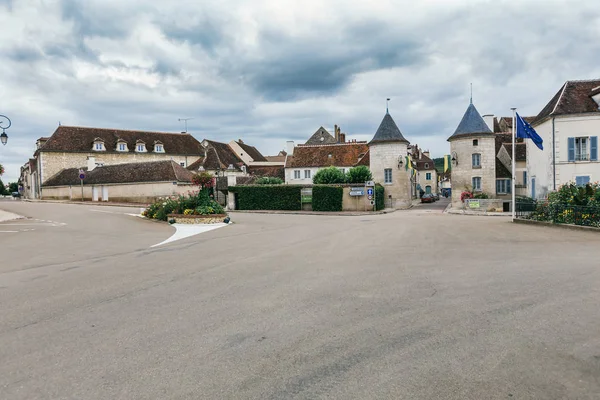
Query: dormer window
x=140, y=147
x=159, y=147
x=122, y=145
x=99, y=144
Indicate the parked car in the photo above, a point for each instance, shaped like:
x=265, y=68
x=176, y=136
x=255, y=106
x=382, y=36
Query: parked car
x=427, y=198
x=436, y=196
x=16, y=194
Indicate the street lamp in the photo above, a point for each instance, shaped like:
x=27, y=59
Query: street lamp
x=4, y=125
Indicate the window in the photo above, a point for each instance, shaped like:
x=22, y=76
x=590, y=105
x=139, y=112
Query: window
x=503, y=186
x=426, y=165
x=581, y=145
x=99, y=146
x=476, y=181
x=476, y=160
x=307, y=174
x=582, y=180
x=387, y=175
x=297, y=174
x=140, y=147
x=475, y=142
x=122, y=147
x=428, y=176
x=158, y=148
x=583, y=148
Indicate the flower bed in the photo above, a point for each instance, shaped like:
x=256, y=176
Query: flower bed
x=193, y=204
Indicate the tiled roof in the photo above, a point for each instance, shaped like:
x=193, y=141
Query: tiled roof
x=275, y=171
x=501, y=170
x=520, y=151
x=339, y=155
x=574, y=97
x=420, y=164
x=388, y=132
x=81, y=139
x=365, y=159
x=251, y=151
x=321, y=136
x=471, y=124
x=500, y=139
x=155, y=171
x=224, y=156
x=275, y=158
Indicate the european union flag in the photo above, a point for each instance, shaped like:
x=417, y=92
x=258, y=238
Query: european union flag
x=525, y=131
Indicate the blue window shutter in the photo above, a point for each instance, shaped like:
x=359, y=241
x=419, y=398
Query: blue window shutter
x=585, y=180
x=508, y=186
x=579, y=180
x=571, y=149
x=498, y=186
x=525, y=178
x=594, y=148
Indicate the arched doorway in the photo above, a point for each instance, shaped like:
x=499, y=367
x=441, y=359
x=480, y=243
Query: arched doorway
x=428, y=189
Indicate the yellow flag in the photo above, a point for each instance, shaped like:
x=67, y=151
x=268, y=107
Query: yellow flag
x=446, y=163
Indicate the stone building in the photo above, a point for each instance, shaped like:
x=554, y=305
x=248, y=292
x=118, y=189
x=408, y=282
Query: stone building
x=387, y=158
x=473, y=155
x=74, y=147
x=426, y=174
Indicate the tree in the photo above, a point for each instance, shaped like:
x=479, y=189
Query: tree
x=268, y=180
x=13, y=187
x=3, y=191
x=328, y=176
x=359, y=174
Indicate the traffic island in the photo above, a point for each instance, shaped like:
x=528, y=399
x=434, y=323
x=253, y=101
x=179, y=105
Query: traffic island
x=197, y=219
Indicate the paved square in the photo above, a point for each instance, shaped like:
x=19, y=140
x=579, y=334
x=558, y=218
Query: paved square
x=408, y=305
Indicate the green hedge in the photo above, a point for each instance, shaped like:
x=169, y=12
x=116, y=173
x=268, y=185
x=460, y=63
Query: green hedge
x=379, y=197
x=327, y=198
x=265, y=197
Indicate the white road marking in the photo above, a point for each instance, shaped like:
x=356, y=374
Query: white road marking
x=107, y=212
x=184, y=231
x=9, y=231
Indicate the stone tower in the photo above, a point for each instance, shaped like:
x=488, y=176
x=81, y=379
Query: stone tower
x=386, y=150
x=473, y=156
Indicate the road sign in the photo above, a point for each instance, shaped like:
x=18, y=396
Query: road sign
x=370, y=192
x=370, y=197
x=370, y=183
x=81, y=174
x=372, y=202
x=357, y=191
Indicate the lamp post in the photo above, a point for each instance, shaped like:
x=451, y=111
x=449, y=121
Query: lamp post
x=5, y=123
x=215, y=191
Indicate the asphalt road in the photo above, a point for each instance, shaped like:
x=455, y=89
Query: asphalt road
x=408, y=305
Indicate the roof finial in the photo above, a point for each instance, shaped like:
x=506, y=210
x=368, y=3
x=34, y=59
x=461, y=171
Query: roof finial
x=387, y=109
x=471, y=101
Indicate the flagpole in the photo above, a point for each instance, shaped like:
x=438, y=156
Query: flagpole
x=513, y=180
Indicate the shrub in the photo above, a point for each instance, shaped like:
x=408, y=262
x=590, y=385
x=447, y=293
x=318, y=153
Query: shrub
x=277, y=197
x=328, y=176
x=327, y=198
x=358, y=174
x=379, y=197
x=465, y=195
x=268, y=180
x=481, y=195
x=204, y=180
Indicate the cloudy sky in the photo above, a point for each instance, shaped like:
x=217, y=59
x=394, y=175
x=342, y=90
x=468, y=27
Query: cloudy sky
x=271, y=71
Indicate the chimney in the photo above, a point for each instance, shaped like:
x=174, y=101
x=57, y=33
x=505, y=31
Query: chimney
x=241, y=141
x=91, y=163
x=426, y=154
x=489, y=121
x=342, y=138
x=336, y=135
x=290, y=147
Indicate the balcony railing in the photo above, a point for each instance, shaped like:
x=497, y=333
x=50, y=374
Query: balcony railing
x=582, y=157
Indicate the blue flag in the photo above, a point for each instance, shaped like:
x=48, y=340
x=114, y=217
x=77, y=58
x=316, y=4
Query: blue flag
x=525, y=131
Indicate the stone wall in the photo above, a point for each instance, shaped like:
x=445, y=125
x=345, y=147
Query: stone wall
x=52, y=163
x=127, y=193
x=383, y=156
x=463, y=171
x=198, y=219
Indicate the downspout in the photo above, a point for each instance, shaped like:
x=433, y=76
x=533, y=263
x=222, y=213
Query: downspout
x=553, y=157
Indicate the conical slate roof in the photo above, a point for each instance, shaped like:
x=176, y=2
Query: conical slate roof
x=471, y=125
x=388, y=132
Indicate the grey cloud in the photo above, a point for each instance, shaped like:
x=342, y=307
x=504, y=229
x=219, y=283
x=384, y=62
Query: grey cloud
x=94, y=22
x=207, y=33
x=292, y=68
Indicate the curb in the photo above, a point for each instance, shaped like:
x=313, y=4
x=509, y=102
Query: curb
x=331, y=214
x=90, y=203
x=559, y=226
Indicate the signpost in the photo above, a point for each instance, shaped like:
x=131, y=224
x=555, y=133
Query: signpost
x=357, y=191
x=81, y=178
x=371, y=193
